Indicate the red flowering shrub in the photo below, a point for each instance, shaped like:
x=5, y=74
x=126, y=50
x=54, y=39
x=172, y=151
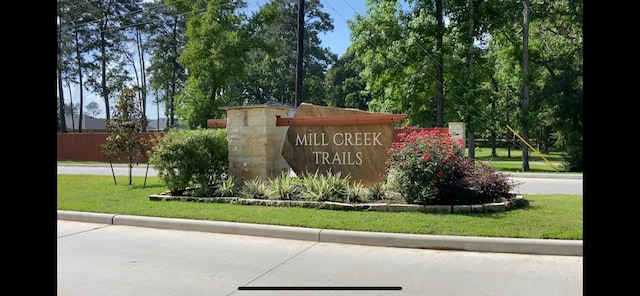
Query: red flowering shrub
x=429, y=167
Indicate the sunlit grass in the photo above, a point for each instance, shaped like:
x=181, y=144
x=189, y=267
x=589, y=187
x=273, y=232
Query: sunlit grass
x=555, y=216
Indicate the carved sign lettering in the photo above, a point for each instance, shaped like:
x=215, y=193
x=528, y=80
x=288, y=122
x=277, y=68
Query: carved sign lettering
x=358, y=151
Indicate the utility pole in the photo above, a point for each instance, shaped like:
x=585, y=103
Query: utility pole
x=299, y=69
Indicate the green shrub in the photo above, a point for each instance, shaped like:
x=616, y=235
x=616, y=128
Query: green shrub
x=572, y=161
x=473, y=182
x=191, y=158
x=429, y=167
x=420, y=160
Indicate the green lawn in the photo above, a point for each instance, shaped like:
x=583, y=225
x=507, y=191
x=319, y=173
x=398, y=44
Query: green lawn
x=511, y=161
x=555, y=216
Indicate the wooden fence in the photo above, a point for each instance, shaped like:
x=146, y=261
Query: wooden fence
x=86, y=147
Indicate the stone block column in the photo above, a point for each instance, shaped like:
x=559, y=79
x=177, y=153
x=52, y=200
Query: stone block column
x=255, y=142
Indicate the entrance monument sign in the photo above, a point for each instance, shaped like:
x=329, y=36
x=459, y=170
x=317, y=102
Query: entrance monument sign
x=354, y=143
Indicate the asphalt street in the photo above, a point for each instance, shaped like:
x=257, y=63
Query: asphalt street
x=529, y=183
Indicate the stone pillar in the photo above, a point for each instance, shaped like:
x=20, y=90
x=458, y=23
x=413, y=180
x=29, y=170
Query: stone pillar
x=255, y=142
x=458, y=131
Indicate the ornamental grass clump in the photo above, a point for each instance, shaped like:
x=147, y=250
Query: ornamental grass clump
x=429, y=167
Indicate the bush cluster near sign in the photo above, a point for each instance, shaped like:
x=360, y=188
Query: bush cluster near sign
x=192, y=158
x=429, y=167
x=424, y=167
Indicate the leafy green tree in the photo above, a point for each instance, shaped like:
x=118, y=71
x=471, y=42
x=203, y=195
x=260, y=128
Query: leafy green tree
x=108, y=72
x=467, y=79
x=60, y=97
x=167, y=39
x=549, y=85
x=345, y=87
x=142, y=27
x=372, y=39
x=400, y=51
x=557, y=50
x=214, y=57
x=75, y=19
x=271, y=68
x=126, y=141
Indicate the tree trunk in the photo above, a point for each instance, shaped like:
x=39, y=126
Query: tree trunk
x=470, y=129
x=493, y=133
x=73, y=121
x=300, y=64
x=143, y=76
x=80, y=85
x=63, y=122
x=103, y=65
x=471, y=140
x=525, y=85
x=174, y=69
x=439, y=66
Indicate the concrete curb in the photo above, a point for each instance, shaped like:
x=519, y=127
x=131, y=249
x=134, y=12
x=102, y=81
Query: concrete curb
x=416, y=241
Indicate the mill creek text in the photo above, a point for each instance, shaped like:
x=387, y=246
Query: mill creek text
x=339, y=139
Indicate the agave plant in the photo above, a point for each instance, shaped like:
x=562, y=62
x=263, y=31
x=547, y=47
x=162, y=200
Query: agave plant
x=283, y=187
x=254, y=188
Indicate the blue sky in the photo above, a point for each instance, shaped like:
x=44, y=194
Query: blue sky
x=341, y=11
x=337, y=41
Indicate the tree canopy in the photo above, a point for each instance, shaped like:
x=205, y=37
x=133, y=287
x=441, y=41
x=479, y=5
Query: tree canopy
x=490, y=64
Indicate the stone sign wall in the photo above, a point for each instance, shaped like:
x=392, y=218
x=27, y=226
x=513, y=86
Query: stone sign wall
x=266, y=141
x=358, y=151
x=255, y=142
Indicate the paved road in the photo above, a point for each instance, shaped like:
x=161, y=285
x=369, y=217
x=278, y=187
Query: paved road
x=530, y=183
x=101, y=259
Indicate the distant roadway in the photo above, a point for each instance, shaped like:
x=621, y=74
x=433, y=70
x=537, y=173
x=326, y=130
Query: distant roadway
x=529, y=183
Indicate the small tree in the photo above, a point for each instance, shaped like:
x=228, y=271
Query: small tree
x=126, y=142
x=93, y=109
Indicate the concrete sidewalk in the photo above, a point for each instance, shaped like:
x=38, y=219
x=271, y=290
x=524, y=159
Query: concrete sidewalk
x=417, y=241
